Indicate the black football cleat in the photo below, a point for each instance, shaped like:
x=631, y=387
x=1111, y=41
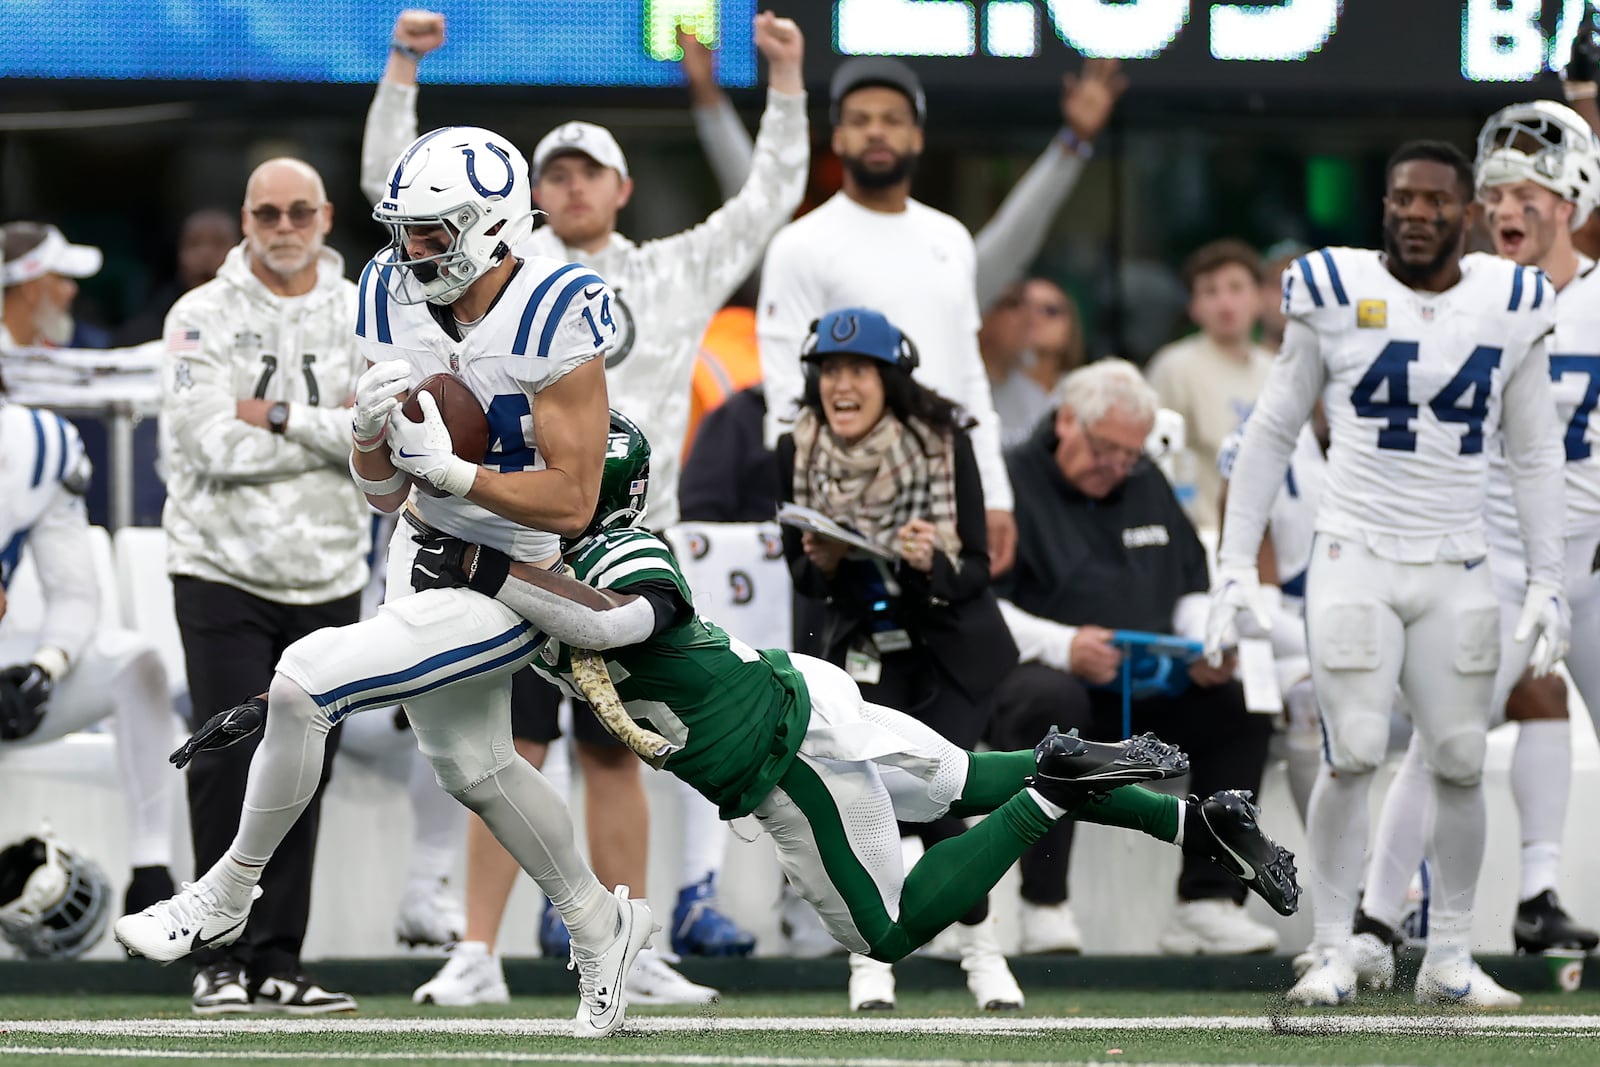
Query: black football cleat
x=1543, y=924
x=223, y=729
x=1224, y=827
x=1067, y=770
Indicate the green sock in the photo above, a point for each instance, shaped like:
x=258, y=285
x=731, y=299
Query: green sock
x=1132, y=807
x=992, y=779
x=955, y=874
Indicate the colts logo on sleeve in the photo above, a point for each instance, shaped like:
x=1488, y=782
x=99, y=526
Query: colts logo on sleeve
x=1372, y=314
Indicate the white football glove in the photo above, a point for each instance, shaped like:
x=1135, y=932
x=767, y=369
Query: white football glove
x=1237, y=591
x=1545, y=608
x=422, y=449
x=378, y=393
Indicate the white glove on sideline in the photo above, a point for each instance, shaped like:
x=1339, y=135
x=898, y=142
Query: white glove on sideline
x=1237, y=590
x=377, y=394
x=1545, y=608
x=423, y=449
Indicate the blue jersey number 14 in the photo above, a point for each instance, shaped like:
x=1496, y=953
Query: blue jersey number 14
x=1389, y=373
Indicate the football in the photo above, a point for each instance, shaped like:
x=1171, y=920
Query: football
x=463, y=417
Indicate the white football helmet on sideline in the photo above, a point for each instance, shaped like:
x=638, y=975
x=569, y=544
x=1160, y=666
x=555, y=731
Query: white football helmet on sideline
x=54, y=903
x=1546, y=143
x=472, y=184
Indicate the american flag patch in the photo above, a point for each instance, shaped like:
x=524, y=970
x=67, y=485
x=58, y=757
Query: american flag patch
x=636, y=487
x=184, y=341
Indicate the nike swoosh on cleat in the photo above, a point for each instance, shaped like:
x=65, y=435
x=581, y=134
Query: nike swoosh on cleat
x=201, y=942
x=1248, y=872
x=1456, y=994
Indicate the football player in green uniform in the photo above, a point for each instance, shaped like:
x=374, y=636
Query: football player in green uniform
x=788, y=740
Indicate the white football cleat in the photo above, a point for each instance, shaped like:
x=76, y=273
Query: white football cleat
x=1216, y=927
x=871, y=984
x=1463, y=983
x=430, y=915
x=603, y=971
x=989, y=977
x=1328, y=983
x=472, y=975
x=194, y=919
x=653, y=981
x=1373, y=961
x=1049, y=928
x=1307, y=959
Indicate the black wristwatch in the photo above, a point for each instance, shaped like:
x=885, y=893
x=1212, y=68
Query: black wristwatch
x=278, y=417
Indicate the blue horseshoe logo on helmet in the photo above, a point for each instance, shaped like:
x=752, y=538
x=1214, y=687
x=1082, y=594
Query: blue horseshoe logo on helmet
x=472, y=174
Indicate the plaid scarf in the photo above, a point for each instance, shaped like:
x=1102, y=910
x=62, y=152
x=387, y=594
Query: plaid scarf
x=881, y=482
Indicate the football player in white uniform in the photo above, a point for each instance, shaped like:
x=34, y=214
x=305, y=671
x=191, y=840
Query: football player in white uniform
x=1538, y=177
x=71, y=672
x=528, y=335
x=1420, y=355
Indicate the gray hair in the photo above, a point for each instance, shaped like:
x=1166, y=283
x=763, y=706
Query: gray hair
x=1096, y=388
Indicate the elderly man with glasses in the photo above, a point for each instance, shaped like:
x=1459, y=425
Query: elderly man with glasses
x=267, y=536
x=1103, y=545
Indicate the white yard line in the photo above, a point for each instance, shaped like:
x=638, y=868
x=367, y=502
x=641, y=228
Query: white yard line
x=1507, y=1025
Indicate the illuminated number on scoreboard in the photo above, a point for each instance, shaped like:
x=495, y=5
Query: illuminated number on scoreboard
x=906, y=27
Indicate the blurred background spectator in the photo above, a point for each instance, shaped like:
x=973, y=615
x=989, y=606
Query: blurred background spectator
x=203, y=243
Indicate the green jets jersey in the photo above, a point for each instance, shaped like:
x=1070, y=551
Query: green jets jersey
x=739, y=714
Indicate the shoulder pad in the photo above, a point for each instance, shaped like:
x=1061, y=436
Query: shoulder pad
x=1314, y=282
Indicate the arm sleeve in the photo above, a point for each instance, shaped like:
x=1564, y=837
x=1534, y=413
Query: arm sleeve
x=1535, y=458
x=792, y=297
x=1011, y=239
x=198, y=403
x=726, y=143
x=64, y=558
x=391, y=125
x=1269, y=436
x=961, y=581
x=576, y=624
x=1039, y=640
x=714, y=258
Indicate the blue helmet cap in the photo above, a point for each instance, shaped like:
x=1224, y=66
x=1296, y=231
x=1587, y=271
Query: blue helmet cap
x=859, y=332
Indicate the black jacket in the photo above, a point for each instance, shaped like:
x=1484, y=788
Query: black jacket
x=730, y=475
x=951, y=613
x=1122, y=562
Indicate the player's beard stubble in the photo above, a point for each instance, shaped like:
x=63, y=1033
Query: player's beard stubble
x=868, y=177
x=1450, y=235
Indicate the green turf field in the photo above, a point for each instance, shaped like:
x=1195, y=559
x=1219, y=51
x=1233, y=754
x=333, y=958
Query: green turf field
x=931, y=1029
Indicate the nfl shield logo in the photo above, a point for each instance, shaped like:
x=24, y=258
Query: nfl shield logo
x=1333, y=550
x=1427, y=313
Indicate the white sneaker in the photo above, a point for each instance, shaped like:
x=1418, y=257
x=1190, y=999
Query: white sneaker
x=1330, y=982
x=1215, y=928
x=472, y=975
x=653, y=981
x=1372, y=960
x=1306, y=960
x=603, y=971
x=194, y=919
x=1049, y=928
x=430, y=915
x=1463, y=983
x=989, y=978
x=871, y=984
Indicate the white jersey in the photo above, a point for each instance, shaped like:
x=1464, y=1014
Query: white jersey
x=43, y=475
x=1413, y=384
x=551, y=318
x=1292, y=521
x=1575, y=382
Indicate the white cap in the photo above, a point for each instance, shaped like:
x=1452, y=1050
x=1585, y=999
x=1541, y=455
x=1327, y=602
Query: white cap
x=593, y=141
x=37, y=250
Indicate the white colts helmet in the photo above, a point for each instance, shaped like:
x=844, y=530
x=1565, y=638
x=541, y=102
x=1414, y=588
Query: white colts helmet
x=54, y=903
x=1546, y=143
x=471, y=182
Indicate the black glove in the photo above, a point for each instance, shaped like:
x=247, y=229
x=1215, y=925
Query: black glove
x=223, y=729
x=1584, y=64
x=440, y=563
x=23, y=692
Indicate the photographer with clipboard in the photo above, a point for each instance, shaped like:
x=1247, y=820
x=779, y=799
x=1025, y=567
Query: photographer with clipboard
x=884, y=520
x=1104, y=548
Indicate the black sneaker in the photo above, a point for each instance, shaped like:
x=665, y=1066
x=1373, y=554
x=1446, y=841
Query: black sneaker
x=1542, y=924
x=1067, y=770
x=219, y=989
x=297, y=995
x=1223, y=827
x=150, y=885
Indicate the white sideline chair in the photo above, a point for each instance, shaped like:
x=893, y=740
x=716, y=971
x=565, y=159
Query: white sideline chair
x=146, y=593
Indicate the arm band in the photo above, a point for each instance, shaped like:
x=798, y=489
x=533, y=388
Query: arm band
x=372, y=488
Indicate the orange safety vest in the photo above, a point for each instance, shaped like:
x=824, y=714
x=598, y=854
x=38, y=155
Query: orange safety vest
x=729, y=361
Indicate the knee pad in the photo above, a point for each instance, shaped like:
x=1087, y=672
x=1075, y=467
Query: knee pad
x=1458, y=758
x=461, y=758
x=1359, y=743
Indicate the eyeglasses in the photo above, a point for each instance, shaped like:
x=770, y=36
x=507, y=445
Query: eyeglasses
x=301, y=215
x=1110, y=455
